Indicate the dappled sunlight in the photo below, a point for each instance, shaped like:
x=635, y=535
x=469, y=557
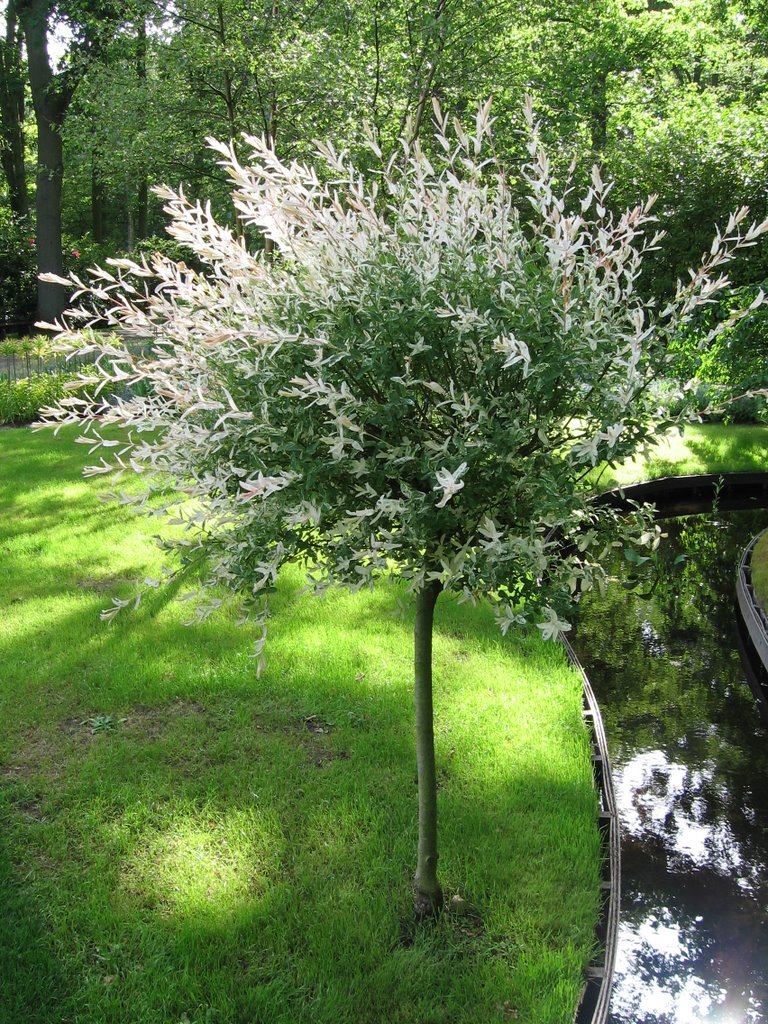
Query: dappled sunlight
x=204, y=864
x=699, y=449
x=180, y=811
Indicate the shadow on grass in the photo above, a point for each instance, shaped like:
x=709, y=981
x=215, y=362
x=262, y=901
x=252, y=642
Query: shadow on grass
x=35, y=985
x=344, y=860
x=732, y=449
x=186, y=847
x=721, y=449
x=128, y=810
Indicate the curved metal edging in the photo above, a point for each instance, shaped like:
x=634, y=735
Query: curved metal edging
x=594, y=1003
x=753, y=638
x=690, y=495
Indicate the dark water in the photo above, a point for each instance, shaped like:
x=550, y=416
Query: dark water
x=690, y=765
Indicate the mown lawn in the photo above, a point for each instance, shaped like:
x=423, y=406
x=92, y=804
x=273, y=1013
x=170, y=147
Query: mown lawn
x=181, y=842
x=702, y=448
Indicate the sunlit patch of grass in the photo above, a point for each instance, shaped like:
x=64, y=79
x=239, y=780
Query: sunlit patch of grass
x=700, y=449
x=205, y=862
x=184, y=842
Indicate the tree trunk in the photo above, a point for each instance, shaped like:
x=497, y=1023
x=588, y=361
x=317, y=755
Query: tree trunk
x=269, y=245
x=12, y=115
x=130, y=233
x=142, y=197
x=600, y=112
x=50, y=100
x=440, y=27
x=142, y=208
x=427, y=894
x=98, y=200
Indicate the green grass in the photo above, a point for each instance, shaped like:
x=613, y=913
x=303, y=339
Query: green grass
x=760, y=570
x=702, y=448
x=181, y=842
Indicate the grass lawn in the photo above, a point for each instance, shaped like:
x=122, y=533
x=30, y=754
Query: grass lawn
x=703, y=448
x=182, y=843
x=760, y=570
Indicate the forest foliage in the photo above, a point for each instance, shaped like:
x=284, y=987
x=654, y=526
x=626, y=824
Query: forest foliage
x=669, y=97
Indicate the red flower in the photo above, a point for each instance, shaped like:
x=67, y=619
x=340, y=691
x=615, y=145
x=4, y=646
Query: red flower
x=76, y=254
x=31, y=240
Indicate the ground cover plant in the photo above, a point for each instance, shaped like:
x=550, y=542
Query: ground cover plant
x=183, y=842
x=410, y=379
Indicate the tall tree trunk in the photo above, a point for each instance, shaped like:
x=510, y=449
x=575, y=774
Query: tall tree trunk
x=12, y=114
x=427, y=894
x=269, y=245
x=51, y=99
x=142, y=204
x=228, y=91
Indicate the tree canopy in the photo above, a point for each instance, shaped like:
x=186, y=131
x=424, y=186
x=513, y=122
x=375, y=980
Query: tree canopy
x=668, y=96
x=412, y=379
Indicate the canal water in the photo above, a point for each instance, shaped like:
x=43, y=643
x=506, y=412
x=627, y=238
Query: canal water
x=690, y=767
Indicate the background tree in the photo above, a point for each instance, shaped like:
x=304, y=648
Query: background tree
x=52, y=91
x=51, y=95
x=421, y=385
x=668, y=96
x=112, y=140
x=12, y=79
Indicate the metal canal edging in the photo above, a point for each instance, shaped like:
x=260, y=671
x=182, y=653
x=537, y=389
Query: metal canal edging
x=594, y=1003
x=752, y=629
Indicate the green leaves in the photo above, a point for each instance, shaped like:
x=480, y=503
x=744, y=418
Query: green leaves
x=422, y=391
x=21, y=401
x=632, y=556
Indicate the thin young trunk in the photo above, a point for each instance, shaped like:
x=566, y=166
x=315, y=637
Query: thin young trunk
x=424, y=92
x=130, y=233
x=427, y=894
x=98, y=201
x=142, y=207
x=599, y=113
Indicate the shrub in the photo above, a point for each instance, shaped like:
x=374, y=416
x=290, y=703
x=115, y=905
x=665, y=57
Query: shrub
x=22, y=400
x=169, y=248
x=18, y=272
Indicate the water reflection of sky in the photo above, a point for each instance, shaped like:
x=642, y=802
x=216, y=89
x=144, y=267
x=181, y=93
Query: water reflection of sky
x=690, y=766
x=659, y=797
x=678, y=996
x=667, y=960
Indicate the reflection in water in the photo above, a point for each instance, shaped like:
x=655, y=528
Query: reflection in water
x=664, y=798
x=690, y=762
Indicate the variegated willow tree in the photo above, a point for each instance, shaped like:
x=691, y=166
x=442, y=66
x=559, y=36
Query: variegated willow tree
x=420, y=382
